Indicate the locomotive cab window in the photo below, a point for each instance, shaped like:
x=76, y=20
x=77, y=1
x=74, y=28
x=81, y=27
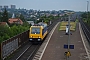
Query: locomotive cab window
x=35, y=30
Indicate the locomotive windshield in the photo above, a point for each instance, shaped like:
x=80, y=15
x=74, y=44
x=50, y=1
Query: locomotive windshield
x=35, y=30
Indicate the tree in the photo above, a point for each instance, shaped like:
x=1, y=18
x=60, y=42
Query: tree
x=84, y=15
x=25, y=24
x=22, y=17
x=4, y=33
x=5, y=16
x=85, y=18
x=0, y=17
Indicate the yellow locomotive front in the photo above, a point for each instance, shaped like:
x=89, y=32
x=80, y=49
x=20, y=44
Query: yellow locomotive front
x=38, y=32
x=35, y=33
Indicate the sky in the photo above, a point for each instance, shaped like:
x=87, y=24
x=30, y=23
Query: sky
x=75, y=5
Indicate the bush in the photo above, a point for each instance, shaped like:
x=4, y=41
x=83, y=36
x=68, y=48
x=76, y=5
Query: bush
x=6, y=32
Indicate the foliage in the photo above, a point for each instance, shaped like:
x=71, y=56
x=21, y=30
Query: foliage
x=22, y=17
x=6, y=32
x=63, y=26
x=47, y=19
x=26, y=24
x=13, y=29
x=5, y=16
x=0, y=16
x=86, y=17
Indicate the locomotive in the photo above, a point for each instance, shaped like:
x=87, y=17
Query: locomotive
x=38, y=32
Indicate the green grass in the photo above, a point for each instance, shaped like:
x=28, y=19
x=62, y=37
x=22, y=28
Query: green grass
x=63, y=26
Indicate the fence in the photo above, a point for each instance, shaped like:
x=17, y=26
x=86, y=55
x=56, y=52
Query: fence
x=9, y=46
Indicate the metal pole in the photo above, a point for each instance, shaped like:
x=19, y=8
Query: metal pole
x=87, y=10
x=68, y=35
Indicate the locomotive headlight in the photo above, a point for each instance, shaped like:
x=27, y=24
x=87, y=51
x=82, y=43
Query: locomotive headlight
x=30, y=39
x=38, y=39
x=38, y=36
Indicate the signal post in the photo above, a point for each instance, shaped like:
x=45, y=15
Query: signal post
x=68, y=46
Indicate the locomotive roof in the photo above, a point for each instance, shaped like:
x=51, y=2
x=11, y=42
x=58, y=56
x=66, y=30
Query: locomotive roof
x=40, y=24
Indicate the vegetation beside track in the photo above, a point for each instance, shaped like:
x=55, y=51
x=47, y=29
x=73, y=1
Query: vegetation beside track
x=64, y=23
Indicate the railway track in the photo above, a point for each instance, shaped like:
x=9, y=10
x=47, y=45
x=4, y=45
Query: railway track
x=86, y=30
x=28, y=53
x=28, y=50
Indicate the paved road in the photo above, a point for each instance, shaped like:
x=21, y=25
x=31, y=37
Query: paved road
x=55, y=50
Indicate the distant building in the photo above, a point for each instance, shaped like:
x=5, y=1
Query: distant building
x=15, y=20
x=31, y=22
x=0, y=7
x=6, y=7
x=3, y=24
x=13, y=6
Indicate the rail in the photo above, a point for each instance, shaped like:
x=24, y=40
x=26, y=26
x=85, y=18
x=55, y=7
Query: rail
x=86, y=30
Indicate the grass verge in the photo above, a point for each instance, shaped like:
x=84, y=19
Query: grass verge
x=64, y=23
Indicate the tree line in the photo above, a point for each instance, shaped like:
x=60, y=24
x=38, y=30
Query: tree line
x=10, y=30
x=86, y=17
